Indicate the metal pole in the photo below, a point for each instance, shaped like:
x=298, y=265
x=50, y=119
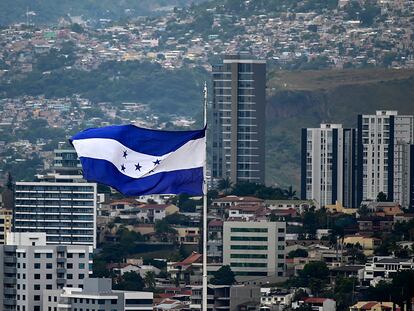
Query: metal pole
x=204, y=300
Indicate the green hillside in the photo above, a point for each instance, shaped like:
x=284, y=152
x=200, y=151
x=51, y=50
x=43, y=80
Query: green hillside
x=307, y=98
x=49, y=11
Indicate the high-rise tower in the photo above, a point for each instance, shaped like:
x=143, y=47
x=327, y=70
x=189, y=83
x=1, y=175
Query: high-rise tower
x=238, y=119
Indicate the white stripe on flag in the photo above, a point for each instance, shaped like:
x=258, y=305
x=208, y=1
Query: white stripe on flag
x=190, y=155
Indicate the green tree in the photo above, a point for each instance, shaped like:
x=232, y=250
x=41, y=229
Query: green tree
x=224, y=184
x=130, y=281
x=381, y=197
x=149, y=280
x=164, y=230
x=223, y=276
x=315, y=275
x=75, y=27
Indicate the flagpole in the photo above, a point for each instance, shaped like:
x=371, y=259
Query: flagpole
x=204, y=300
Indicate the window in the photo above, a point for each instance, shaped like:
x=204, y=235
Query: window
x=81, y=276
x=48, y=286
x=36, y=298
x=262, y=256
x=36, y=287
x=81, y=255
x=49, y=265
x=138, y=301
x=70, y=255
x=37, y=255
x=69, y=276
x=49, y=255
x=248, y=238
x=69, y=265
x=248, y=229
x=248, y=264
x=250, y=247
x=49, y=276
x=37, y=276
x=81, y=266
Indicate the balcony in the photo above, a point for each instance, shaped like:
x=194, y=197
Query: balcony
x=9, y=302
x=10, y=291
x=10, y=259
x=11, y=281
x=10, y=270
x=61, y=281
x=60, y=270
x=61, y=260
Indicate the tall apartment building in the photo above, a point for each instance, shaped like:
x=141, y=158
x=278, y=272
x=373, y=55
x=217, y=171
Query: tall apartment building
x=61, y=203
x=384, y=141
x=328, y=170
x=237, y=128
x=96, y=294
x=6, y=217
x=28, y=267
x=66, y=211
x=255, y=250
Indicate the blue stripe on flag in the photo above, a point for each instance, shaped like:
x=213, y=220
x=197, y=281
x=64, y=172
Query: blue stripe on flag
x=189, y=181
x=151, y=142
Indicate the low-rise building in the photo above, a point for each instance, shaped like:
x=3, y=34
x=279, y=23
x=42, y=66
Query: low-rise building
x=368, y=244
x=316, y=304
x=374, y=306
x=96, y=294
x=385, y=267
x=227, y=298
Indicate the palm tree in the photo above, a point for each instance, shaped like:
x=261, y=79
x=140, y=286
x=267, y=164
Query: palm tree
x=290, y=193
x=224, y=184
x=149, y=280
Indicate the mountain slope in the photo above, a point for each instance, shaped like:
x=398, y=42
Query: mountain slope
x=49, y=11
x=305, y=99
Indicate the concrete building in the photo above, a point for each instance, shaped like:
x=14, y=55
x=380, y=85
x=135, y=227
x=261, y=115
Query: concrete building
x=328, y=167
x=215, y=241
x=227, y=298
x=29, y=266
x=238, y=119
x=59, y=203
x=384, y=156
x=6, y=217
x=385, y=267
x=66, y=211
x=66, y=161
x=96, y=294
x=255, y=250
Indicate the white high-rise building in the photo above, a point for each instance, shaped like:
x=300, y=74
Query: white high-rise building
x=384, y=141
x=255, y=250
x=28, y=267
x=66, y=211
x=61, y=203
x=329, y=165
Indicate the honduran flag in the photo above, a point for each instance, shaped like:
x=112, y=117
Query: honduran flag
x=138, y=161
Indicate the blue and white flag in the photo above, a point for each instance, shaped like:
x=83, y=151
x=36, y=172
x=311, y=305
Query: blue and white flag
x=138, y=161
